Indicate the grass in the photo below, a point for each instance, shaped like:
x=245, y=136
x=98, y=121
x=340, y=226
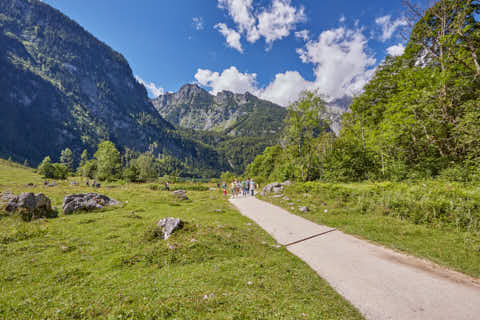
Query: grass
x=434, y=220
x=109, y=264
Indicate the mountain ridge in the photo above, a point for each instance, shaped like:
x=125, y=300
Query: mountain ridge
x=192, y=107
x=66, y=88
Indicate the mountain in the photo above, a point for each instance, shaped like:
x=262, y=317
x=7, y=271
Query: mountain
x=234, y=114
x=61, y=87
x=334, y=109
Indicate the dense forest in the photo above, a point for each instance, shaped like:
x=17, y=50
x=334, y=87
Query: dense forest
x=419, y=117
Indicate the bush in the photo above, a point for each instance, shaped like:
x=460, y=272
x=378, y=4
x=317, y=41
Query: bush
x=88, y=170
x=52, y=170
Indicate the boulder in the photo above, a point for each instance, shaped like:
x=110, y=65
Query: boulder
x=86, y=202
x=29, y=206
x=275, y=187
x=304, y=209
x=269, y=188
x=180, y=194
x=277, y=190
x=6, y=196
x=169, y=225
x=286, y=198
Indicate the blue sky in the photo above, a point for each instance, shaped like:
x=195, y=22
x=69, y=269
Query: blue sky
x=259, y=46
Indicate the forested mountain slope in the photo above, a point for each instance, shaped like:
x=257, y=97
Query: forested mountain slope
x=61, y=87
x=235, y=114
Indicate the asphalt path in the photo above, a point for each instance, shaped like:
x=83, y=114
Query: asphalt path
x=379, y=282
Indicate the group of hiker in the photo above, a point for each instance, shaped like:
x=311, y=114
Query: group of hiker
x=241, y=188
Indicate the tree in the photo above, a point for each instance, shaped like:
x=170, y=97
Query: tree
x=303, y=125
x=83, y=158
x=52, y=170
x=108, y=161
x=147, y=167
x=46, y=169
x=66, y=158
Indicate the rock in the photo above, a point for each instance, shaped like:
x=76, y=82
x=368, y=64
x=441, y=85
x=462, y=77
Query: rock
x=277, y=196
x=86, y=201
x=52, y=184
x=270, y=188
x=277, y=189
x=287, y=183
x=169, y=226
x=30, y=206
x=74, y=183
x=6, y=196
x=180, y=194
x=304, y=209
x=219, y=211
x=212, y=189
x=286, y=198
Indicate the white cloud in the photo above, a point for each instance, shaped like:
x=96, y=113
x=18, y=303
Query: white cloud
x=230, y=79
x=304, y=34
x=197, y=23
x=285, y=88
x=396, y=50
x=151, y=87
x=342, y=19
x=272, y=23
x=341, y=63
x=241, y=13
x=277, y=21
x=389, y=27
x=232, y=36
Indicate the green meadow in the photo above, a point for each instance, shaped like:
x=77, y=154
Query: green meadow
x=110, y=264
x=432, y=219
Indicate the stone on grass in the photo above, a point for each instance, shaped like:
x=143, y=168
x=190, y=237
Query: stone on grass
x=169, y=225
x=86, y=202
x=6, y=196
x=180, y=194
x=278, y=196
x=286, y=198
x=275, y=187
x=30, y=206
x=304, y=209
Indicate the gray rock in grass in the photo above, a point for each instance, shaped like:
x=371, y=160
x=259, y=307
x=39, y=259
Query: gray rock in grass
x=86, y=202
x=169, y=225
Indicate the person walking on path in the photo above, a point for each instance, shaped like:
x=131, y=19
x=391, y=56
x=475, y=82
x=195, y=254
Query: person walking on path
x=233, y=188
x=224, y=187
x=252, y=187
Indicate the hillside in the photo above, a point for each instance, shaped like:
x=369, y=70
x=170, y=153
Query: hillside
x=62, y=268
x=68, y=89
x=235, y=114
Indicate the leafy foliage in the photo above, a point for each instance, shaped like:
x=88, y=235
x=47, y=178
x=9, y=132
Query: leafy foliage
x=417, y=118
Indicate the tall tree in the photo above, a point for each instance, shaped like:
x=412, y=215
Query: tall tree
x=66, y=158
x=108, y=161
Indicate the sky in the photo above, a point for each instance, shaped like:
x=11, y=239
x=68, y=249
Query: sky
x=274, y=49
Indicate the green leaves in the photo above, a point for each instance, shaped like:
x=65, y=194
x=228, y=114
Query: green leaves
x=108, y=161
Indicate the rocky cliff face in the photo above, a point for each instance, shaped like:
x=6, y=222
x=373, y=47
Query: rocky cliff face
x=237, y=114
x=60, y=87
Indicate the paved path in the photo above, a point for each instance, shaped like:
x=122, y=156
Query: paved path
x=381, y=283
